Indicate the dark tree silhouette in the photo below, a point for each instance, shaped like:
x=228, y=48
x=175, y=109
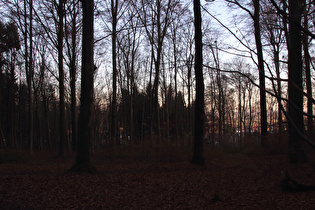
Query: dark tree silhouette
x=198, y=157
x=72, y=51
x=61, y=80
x=295, y=82
x=307, y=63
x=114, y=11
x=260, y=57
x=28, y=34
x=83, y=153
x=9, y=45
x=256, y=18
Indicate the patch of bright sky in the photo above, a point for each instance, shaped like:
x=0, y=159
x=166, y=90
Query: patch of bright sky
x=238, y=24
x=234, y=19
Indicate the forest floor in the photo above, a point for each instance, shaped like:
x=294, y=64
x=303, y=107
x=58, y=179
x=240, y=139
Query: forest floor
x=241, y=180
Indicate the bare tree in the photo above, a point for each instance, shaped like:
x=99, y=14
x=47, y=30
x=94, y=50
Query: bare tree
x=156, y=19
x=307, y=57
x=263, y=110
x=114, y=12
x=72, y=54
x=256, y=18
x=29, y=68
x=188, y=58
x=61, y=79
x=10, y=45
x=274, y=35
x=198, y=157
x=3, y=143
x=83, y=153
x=128, y=43
x=295, y=105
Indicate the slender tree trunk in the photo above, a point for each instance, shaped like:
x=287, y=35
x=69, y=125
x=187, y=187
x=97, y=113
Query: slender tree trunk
x=244, y=110
x=114, y=7
x=277, y=66
x=46, y=118
x=308, y=77
x=61, y=81
x=11, y=100
x=219, y=84
x=250, y=111
x=263, y=110
x=213, y=123
x=160, y=38
x=150, y=89
x=156, y=94
x=240, y=112
x=198, y=157
x=38, y=123
x=166, y=103
x=295, y=82
x=189, y=66
x=2, y=139
x=133, y=89
x=175, y=83
x=73, y=73
x=85, y=126
x=29, y=73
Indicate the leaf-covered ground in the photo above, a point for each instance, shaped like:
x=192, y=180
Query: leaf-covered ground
x=248, y=180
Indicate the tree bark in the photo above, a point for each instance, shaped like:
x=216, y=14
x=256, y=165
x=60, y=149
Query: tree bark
x=62, y=125
x=73, y=73
x=308, y=77
x=2, y=138
x=277, y=66
x=295, y=86
x=175, y=81
x=29, y=74
x=83, y=154
x=263, y=110
x=114, y=7
x=157, y=62
x=198, y=157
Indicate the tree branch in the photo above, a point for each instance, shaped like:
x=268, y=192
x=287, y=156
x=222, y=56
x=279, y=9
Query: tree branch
x=278, y=99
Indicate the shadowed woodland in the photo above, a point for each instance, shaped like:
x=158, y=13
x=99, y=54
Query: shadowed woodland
x=156, y=104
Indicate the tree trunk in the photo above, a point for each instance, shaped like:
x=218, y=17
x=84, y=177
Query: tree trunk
x=175, y=83
x=29, y=74
x=295, y=86
x=250, y=110
x=150, y=89
x=263, y=111
x=189, y=66
x=73, y=73
x=308, y=77
x=61, y=81
x=2, y=138
x=157, y=63
x=114, y=7
x=46, y=118
x=37, y=122
x=240, y=112
x=132, y=88
x=198, y=157
x=277, y=66
x=83, y=154
x=11, y=100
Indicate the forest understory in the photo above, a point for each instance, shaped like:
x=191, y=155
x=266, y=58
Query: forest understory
x=156, y=178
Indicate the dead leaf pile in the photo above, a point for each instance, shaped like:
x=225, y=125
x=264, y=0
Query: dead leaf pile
x=236, y=181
